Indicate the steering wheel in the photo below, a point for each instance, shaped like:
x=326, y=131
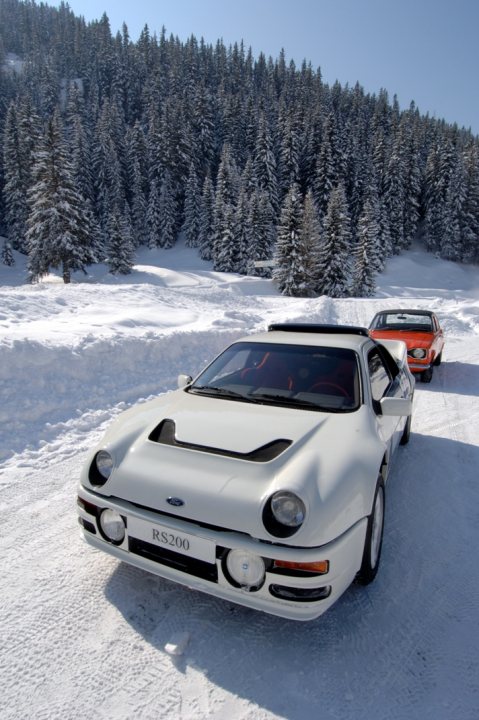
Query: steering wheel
x=342, y=391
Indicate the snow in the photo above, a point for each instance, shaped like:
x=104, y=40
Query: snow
x=86, y=636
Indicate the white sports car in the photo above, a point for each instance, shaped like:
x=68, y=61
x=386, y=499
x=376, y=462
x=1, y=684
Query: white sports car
x=263, y=480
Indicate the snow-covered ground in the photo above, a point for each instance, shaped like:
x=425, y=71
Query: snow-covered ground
x=83, y=636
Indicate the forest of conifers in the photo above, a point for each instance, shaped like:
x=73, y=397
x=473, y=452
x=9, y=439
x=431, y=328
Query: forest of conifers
x=109, y=144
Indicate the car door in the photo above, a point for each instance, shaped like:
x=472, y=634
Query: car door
x=383, y=384
x=438, y=341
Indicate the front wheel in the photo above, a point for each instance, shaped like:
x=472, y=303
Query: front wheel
x=406, y=432
x=374, y=538
x=426, y=375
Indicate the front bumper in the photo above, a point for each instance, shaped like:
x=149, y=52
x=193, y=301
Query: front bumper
x=291, y=594
x=417, y=366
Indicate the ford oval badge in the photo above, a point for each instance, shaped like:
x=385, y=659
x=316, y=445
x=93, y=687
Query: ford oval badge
x=177, y=502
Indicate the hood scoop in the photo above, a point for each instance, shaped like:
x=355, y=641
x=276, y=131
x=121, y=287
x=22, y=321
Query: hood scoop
x=165, y=434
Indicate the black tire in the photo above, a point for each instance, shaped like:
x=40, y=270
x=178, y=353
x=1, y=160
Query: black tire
x=406, y=432
x=426, y=375
x=374, y=538
x=438, y=360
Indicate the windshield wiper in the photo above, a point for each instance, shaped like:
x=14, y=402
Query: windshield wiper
x=217, y=391
x=285, y=400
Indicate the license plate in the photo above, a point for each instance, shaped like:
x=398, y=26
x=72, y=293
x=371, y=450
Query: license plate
x=169, y=539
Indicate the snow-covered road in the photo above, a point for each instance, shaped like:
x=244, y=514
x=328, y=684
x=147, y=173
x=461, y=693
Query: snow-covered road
x=84, y=636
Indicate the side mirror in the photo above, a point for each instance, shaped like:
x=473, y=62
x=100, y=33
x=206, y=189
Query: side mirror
x=184, y=380
x=394, y=407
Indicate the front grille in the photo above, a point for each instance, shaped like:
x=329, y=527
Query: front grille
x=191, y=566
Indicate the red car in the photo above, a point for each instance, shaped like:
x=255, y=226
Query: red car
x=421, y=332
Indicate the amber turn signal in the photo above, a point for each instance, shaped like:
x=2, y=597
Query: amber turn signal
x=321, y=567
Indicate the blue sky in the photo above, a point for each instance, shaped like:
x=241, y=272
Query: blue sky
x=421, y=50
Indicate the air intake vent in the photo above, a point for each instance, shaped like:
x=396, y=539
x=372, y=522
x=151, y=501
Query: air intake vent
x=165, y=434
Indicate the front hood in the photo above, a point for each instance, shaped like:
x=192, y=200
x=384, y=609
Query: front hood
x=412, y=339
x=224, y=459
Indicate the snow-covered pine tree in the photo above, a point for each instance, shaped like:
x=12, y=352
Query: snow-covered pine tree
x=242, y=234
x=289, y=153
x=167, y=212
x=225, y=243
x=206, y=215
x=59, y=234
x=227, y=184
x=470, y=221
x=120, y=246
x=325, y=172
x=7, y=254
x=366, y=252
x=191, y=221
x=335, y=250
x=262, y=233
x=153, y=217
x=21, y=136
x=310, y=243
x=264, y=163
x=451, y=241
x=395, y=196
x=289, y=272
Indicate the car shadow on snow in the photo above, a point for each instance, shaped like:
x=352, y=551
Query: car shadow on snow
x=400, y=631
x=453, y=377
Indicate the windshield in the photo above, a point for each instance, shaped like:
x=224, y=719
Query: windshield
x=312, y=378
x=402, y=321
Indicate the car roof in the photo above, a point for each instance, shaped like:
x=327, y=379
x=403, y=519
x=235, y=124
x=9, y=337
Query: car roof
x=334, y=336
x=409, y=311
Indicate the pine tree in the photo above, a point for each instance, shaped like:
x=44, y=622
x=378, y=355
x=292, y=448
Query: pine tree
x=225, y=244
x=289, y=272
x=58, y=234
x=470, y=220
x=120, y=245
x=17, y=158
x=366, y=252
x=167, y=212
x=310, y=242
x=191, y=222
x=265, y=169
x=7, y=254
x=335, y=250
x=153, y=218
x=262, y=233
x=242, y=234
x=206, y=217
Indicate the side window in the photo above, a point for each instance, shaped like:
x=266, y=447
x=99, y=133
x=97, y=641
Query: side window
x=378, y=375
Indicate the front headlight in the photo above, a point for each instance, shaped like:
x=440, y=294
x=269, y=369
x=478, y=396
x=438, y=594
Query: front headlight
x=418, y=353
x=101, y=468
x=284, y=513
x=288, y=509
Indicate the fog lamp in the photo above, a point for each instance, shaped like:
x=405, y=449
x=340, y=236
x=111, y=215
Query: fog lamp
x=112, y=526
x=245, y=568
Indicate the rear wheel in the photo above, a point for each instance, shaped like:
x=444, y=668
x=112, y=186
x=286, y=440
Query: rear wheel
x=374, y=538
x=406, y=432
x=438, y=360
